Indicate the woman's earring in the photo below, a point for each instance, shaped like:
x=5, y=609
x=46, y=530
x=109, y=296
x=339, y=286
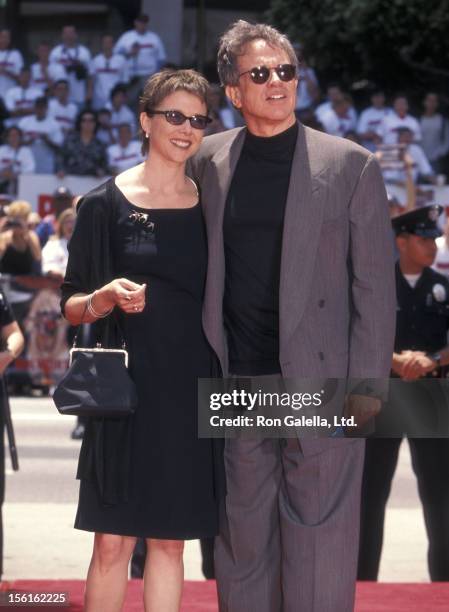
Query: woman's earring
x=147, y=134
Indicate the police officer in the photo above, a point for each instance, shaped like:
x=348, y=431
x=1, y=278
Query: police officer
x=421, y=352
x=12, y=343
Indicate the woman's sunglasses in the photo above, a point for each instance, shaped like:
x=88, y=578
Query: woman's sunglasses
x=199, y=122
x=261, y=74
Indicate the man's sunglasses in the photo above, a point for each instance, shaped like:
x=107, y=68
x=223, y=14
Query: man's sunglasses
x=199, y=122
x=261, y=74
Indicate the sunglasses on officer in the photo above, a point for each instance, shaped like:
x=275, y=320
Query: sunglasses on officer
x=261, y=74
x=199, y=122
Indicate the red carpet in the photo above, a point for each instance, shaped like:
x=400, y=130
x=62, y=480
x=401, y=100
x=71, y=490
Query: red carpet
x=201, y=597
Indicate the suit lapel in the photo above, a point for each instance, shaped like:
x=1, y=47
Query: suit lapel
x=302, y=222
x=216, y=183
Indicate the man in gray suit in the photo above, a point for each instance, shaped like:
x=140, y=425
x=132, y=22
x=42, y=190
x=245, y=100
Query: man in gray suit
x=300, y=284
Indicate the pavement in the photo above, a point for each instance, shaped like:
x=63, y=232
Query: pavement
x=40, y=506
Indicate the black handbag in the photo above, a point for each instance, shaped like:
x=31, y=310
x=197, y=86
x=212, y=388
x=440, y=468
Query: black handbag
x=97, y=383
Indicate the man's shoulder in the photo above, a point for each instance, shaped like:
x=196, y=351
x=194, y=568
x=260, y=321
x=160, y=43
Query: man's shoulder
x=154, y=35
x=213, y=143
x=12, y=93
x=118, y=59
x=26, y=122
x=51, y=123
x=85, y=51
x=435, y=277
x=57, y=49
x=16, y=54
x=334, y=147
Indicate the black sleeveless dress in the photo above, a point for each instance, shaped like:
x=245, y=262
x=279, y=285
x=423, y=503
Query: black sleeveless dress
x=172, y=488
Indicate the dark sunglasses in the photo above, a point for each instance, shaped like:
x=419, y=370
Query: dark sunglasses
x=261, y=74
x=199, y=122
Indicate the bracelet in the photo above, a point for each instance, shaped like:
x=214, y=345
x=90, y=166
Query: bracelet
x=92, y=310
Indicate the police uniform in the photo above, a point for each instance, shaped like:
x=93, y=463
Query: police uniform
x=422, y=323
x=6, y=317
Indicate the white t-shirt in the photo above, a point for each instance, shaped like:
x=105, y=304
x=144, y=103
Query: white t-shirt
x=55, y=256
x=107, y=72
x=20, y=161
x=55, y=72
x=19, y=98
x=44, y=155
x=65, y=56
x=12, y=61
x=104, y=136
x=370, y=120
x=120, y=159
x=151, y=53
x=65, y=115
x=303, y=98
x=123, y=115
x=412, y=279
x=435, y=136
x=390, y=124
x=338, y=126
x=227, y=118
x=421, y=166
x=441, y=263
x=322, y=109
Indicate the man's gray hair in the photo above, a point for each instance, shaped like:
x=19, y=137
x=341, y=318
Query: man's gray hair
x=234, y=41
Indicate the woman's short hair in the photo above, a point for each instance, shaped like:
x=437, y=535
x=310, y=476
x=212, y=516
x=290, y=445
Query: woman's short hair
x=233, y=43
x=68, y=213
x=19, y=208
x=166, y=82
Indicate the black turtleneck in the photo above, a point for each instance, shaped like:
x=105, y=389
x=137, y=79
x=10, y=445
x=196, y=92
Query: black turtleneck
x=253, y=224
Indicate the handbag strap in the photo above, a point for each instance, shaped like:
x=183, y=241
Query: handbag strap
x=106, y=331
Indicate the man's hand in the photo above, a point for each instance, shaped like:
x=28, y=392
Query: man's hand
x=362, y=408
x=418, y=365
x=411, y=365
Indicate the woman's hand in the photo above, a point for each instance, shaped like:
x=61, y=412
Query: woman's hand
x=5, y=359
x=121, y=292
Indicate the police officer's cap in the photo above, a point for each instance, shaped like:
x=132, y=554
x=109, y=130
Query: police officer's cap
x=421, y=222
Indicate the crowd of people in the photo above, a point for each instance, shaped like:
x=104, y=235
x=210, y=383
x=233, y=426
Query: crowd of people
x=73, y=112
x=70, y=112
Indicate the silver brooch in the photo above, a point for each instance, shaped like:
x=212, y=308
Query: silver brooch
x=142, y=220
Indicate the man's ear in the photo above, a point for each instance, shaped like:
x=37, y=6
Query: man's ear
x=233, y=93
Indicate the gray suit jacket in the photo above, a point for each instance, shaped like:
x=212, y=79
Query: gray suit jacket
x=337, y=288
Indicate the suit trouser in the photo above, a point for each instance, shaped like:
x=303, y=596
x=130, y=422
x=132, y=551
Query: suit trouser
x=430, y=461
x=289, y=527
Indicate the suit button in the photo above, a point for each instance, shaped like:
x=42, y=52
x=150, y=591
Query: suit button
x=321, y=303
x=321, y=356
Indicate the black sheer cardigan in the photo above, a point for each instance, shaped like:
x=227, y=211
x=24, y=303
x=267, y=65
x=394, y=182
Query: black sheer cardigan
x=105, y=450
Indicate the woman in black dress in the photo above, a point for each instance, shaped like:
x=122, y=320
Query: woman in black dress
x=139, y=248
